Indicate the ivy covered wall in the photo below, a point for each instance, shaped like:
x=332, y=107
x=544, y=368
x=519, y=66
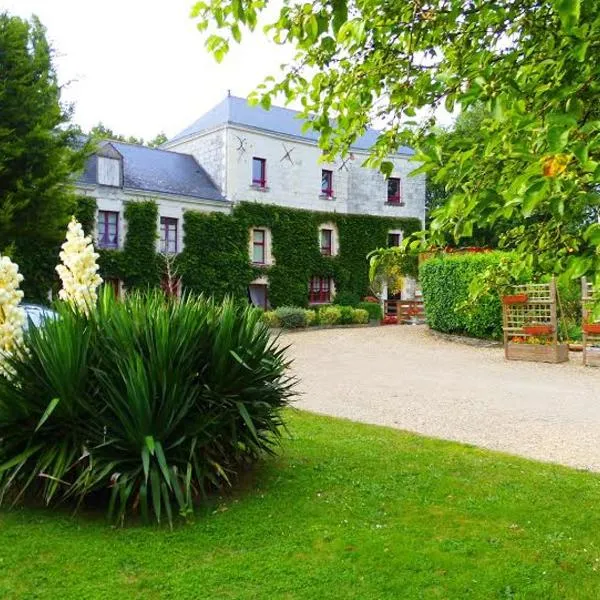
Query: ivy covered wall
x=215, y=260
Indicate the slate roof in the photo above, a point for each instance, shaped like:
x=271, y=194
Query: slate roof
x=156, y=170
x=236, y=111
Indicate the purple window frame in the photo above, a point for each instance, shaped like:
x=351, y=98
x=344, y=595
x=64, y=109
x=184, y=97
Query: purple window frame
x=103, y=229
x=396, y=198
x=167, y=225
x=261, y=180
x=319, y=290
x=327, y=183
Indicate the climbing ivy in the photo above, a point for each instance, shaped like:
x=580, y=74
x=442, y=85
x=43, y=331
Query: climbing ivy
x=216, y=255
x=216, y=260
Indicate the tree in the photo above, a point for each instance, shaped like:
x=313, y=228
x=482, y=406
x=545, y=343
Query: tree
x=39, y=152
x=101, y=132
x=533, y=64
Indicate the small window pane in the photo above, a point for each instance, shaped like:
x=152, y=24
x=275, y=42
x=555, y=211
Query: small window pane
x=393, y=189
x=326, y=181
x=258, y=171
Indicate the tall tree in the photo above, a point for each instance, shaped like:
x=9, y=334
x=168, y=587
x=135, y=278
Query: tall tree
x=534, y=64
x=100, y=132
x=39, y=152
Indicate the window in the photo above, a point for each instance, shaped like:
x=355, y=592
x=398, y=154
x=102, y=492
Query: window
x=327, y=183
x=108, y=229
x=394, y=191
x=109, y=171
x=168, y=235
x=259, y=295
x=258, y=246
x=326, y=242
x=259, y=172
x=394, y=239
x=320, y=290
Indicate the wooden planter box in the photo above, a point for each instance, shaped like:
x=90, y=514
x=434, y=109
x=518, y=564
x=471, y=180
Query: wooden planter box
x=515, y=299
x=592, y=357
x=538, y=352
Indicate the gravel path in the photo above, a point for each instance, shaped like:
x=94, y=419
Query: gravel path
x=404, y=377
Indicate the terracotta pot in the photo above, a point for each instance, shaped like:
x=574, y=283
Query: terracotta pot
x=515, y=299
x=591, y=327
x=537, y=329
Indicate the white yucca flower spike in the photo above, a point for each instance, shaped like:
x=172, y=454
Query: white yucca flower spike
x=78, y=273
x=12, y=316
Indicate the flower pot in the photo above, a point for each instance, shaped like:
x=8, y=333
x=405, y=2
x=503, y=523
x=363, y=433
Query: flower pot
x=593, y=328
x=538, y=329
x=515, y=299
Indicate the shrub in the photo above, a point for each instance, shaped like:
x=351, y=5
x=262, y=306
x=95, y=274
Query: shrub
x=346, y=299
x=346, y=315
x=361, y=316
x=445, y=283
x=330, y=315
x=149, y=401
x=311, y=317
x=291, y=317
x=270, y=319
x=374, y=311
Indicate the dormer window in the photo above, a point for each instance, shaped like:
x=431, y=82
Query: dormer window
x=109, y=171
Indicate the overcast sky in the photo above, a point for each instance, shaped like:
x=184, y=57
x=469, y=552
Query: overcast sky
x=140, y=66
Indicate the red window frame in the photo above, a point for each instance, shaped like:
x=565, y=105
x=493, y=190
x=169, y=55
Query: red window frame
x=326, y=240
x=262, y=245
x=397, y=197
x=103, y=229
x=327, y=183
x=261, y=180
x=168, y=225
x=319, y=290
x=394, y=240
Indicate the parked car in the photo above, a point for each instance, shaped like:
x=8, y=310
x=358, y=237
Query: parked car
x=37, y=314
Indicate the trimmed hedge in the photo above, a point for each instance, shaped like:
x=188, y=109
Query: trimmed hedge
x=373, y=309
x=445, y=283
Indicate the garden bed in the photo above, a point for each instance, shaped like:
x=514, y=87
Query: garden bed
x=548, y=353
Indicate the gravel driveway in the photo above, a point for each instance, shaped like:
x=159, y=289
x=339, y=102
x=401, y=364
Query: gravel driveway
x=404, y=377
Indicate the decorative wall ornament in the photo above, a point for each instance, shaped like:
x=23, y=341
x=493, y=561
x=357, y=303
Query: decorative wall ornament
x=287, y=155
x=344, y=165
x=241, y=145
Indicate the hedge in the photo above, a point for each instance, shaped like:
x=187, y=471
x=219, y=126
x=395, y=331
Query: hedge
x=445, y=283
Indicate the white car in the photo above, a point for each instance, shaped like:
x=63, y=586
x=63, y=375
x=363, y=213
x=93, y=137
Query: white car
x=37, y=314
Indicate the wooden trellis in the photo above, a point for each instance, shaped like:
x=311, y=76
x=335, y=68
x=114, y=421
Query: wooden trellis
x=590, y=329
x=530, y=324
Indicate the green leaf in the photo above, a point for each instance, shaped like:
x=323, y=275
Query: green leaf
x=387, y=168
x=569, y=12
x=533, y=196
x=49, y=410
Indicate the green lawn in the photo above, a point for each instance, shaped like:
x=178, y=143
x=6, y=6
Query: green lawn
x=348, y=511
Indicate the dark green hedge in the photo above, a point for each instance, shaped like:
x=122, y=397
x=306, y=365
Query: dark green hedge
x=445, y=283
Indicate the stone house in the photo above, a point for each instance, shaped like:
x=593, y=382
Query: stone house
x=238, y=153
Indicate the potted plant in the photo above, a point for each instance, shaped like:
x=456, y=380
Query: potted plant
x=592, y=328
x=538, y=329
x=515, y=299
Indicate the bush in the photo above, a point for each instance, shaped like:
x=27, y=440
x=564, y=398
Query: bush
x=346, y=315
x=330, y=315
x=361, y=316
x=311, y=317
x=270, y=319
x=291, y=317
x=374, y=311
x=445, y=283
x=346, y=299
x=149, y=401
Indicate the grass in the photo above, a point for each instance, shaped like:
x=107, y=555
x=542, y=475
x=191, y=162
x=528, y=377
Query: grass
x=347, y=511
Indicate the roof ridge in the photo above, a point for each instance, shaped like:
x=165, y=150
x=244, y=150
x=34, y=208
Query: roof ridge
x=147, y=147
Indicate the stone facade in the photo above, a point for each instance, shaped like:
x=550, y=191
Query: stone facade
x=293, y=173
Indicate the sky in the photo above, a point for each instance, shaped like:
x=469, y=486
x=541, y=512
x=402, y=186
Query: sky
x=140, y=66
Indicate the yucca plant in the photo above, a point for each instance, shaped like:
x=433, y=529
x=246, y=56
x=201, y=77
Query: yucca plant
x=152, y=398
